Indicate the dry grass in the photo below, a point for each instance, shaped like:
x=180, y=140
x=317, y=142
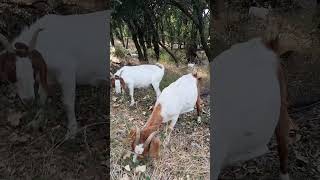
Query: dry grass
x=187, y=155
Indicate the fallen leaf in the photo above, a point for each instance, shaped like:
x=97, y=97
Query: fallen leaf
x=127, y=155
x=127, y=167
x=141, y=168
x=131, y=119
x=116, y=105
x=144, y=113
x=114, y=99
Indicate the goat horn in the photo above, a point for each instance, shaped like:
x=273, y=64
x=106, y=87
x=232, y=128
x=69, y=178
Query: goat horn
x=137, y=136
x=146, y=144
x=33, y=41
x=6, y=43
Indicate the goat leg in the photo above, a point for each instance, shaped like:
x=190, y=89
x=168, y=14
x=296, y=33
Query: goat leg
x=199, y=110
x=68, y=89
x=282, y=132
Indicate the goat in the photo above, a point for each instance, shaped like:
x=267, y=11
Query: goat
x=68, y=51
x=178, y=98
x=259, y=12
x=140, y=76
x=250, y=104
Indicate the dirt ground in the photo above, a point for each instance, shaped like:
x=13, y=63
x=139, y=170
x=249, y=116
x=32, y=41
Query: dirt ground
x=28, y=153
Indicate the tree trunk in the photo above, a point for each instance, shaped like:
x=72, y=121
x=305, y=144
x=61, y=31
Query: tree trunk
x=141, y=41
x=217, y=44
x=274, y=3
x=127, y=43
x=111, y=35
x=170, y=53
x=155, y=42
x=121, y=35
x=135, y=39
x=112, y=38
x=192, y=46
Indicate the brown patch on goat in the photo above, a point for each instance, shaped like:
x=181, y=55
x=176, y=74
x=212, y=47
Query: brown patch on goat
x=113, y=82
x=153, y=124
x=38, y=64
x=122, y=83
x=198, y=102
x=40, y=68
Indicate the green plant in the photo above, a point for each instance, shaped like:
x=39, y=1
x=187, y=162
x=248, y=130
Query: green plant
x=120, y=52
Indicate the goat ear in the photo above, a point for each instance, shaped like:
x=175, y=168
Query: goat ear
x=123, y=84
x=113, y=82
x=154, y=151
x=40, y=68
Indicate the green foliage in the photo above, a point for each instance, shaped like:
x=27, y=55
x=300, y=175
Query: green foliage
x=120, y=52
x=151, y=53
x=168, y=78
x=165, y=57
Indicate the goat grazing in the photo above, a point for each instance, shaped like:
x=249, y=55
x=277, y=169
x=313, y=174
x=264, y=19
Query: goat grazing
x=249, y=104
x=68, y=51
x=178, y=98
x=140, y=76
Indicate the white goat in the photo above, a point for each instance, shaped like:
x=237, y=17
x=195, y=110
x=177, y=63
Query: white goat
x=74, y=52
x=247, y=105
x=178, y=98
x=140, y=76
x=259, y=12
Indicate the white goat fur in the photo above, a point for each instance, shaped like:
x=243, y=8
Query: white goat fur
x=259, y=12
x=247, y=103
x=75, y=49
x=140, y=76
x=178, y=98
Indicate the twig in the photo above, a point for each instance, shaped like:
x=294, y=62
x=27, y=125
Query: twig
x=57, y=145
x=85, y=140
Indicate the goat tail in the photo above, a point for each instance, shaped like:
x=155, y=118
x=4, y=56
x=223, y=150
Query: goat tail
x=160, y=65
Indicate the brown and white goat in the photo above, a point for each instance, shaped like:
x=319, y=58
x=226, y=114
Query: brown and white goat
x=178, y=98
x=13, y=61
x=250, y=104
x=73, y=54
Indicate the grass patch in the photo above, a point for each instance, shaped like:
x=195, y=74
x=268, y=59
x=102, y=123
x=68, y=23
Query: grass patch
x=168, y=78
x=165, y=57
